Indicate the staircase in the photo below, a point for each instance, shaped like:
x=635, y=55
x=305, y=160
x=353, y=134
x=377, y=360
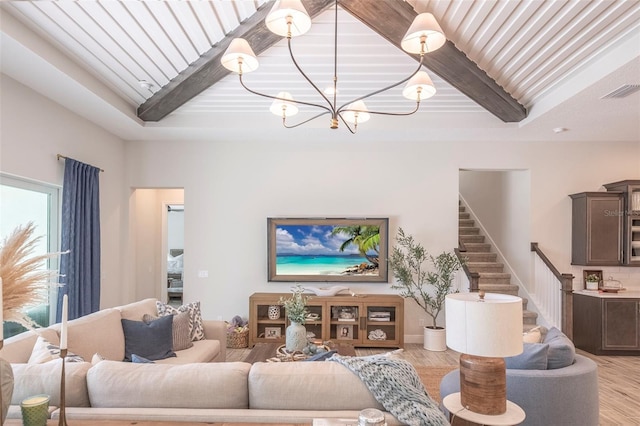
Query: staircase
x=482, y=260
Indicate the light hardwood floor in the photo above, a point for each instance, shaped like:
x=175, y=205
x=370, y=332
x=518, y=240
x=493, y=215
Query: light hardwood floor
x=618, y=377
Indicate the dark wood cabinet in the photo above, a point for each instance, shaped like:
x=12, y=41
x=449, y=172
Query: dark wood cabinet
x=606, y=325
x=597, y=228
x=630, y=216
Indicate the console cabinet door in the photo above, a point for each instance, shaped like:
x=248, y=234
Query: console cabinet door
x=597, y=227
x=621, y=326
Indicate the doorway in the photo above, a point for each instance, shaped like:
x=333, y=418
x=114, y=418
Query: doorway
x=175, y=253
x=150, y=228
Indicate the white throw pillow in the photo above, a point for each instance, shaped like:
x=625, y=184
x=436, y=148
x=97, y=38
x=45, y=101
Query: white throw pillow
x=44, y=351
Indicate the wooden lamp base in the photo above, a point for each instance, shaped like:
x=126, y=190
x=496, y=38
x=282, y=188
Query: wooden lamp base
x=483, y=384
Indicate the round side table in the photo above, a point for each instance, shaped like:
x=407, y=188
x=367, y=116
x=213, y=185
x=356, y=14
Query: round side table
x=513, y=416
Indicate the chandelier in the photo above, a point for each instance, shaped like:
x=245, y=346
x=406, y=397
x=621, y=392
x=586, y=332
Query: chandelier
x=289, y=18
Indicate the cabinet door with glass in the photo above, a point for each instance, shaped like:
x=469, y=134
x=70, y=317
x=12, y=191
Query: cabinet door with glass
x=630, y=215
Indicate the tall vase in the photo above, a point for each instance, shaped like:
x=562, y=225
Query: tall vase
x=6, y=386
x=296, y=337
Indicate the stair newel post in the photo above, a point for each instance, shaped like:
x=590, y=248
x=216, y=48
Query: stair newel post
x=474, y=282
x=567, y=304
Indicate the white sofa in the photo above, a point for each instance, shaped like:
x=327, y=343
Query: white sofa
x=288, y=392
x=184, y=388
x=101, y=333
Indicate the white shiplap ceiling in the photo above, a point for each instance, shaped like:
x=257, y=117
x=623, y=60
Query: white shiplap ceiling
x=529, y=47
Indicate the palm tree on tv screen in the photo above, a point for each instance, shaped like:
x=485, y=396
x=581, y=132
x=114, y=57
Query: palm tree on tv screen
x=366, y=238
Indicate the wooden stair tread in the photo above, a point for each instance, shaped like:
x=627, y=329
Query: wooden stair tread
x=477, y=247
x=480, y=256
x=471, y=238
x=468, y=230
x=472, y=264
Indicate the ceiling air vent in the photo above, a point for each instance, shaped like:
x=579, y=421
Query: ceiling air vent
x=622, y=91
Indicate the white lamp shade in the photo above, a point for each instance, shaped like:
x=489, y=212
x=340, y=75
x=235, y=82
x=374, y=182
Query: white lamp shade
x=281, y=107
x=276, y=20
x=420, y=80
x=424, y=24
x=492, y=328
x=360, y=115
x=239, y=49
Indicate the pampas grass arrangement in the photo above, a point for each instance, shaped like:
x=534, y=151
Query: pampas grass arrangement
x=24, y=281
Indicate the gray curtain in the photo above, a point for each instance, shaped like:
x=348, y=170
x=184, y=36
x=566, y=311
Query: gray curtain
x=80, y=268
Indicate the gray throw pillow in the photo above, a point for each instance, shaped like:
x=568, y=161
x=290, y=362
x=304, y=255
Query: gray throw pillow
x=181, y=330
x=533, y=357
x=152, y=341
x=562, y=352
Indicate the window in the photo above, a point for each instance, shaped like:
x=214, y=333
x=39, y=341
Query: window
x=23, y=201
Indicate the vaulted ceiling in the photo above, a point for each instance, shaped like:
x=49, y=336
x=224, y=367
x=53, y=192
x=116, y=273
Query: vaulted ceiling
x=504, y=59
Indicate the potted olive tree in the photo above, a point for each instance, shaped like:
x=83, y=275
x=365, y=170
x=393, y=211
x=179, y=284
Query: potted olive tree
x=425, y=279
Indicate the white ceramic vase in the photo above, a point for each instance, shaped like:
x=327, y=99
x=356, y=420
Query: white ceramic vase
x=435, y=339
x=295, y=337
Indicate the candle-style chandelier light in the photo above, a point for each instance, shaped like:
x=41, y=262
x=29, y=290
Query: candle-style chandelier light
x=289, y=18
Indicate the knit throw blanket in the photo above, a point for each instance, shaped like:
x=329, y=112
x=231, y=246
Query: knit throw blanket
x=396, y=385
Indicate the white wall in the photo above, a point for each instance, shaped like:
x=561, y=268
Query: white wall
x=231, y=188
x=33, y=131
x=501, y=202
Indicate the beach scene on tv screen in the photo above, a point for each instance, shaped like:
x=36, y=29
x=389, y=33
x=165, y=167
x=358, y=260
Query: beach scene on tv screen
x=327, y=250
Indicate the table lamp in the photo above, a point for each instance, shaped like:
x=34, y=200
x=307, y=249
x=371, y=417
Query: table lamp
x=484, y=328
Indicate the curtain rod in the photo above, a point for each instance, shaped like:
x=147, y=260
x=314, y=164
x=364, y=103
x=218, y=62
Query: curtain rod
x=64, y=158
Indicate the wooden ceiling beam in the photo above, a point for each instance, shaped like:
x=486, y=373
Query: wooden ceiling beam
x=391, y=19
x=207, y=70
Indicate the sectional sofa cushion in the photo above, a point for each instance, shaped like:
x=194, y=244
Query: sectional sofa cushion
x=201, y=351
x=99, y=332
x=34, y=379
x=127, y=385
x=153, y=340
x=562, y=352
x=136, y=310
x=318, y=385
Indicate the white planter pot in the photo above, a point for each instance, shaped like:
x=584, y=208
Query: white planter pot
x=592, y=285
x=435, y=339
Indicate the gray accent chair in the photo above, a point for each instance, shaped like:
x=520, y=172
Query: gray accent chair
x=565, y=396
